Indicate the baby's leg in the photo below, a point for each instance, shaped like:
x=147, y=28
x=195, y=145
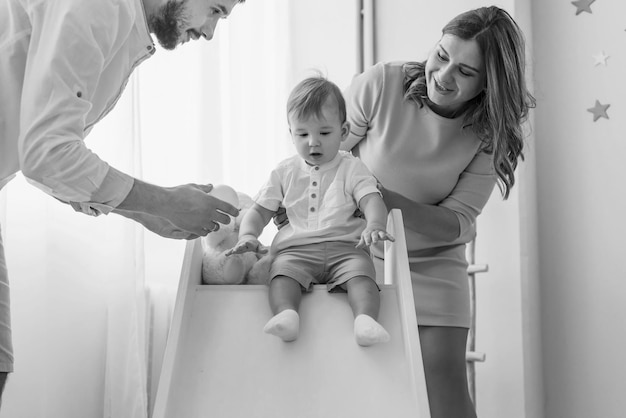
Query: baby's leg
x=364, y=298
x=284, y=295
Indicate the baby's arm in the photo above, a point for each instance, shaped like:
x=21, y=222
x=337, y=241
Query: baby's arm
x=252, y=224
x=375, y=212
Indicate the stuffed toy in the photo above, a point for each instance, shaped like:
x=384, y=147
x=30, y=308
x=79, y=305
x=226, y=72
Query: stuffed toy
x=217, y=268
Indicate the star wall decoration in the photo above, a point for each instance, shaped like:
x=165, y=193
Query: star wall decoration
x=599, y=111
x=601, y=58
x=583, y=6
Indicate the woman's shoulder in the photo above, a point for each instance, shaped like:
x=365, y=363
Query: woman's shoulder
x=386, y=70
x=380, y=80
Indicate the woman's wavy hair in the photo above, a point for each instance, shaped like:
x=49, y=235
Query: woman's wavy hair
x=496, y=115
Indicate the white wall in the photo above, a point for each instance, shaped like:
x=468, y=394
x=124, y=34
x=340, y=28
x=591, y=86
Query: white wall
x=581, y=206
x=323, y=35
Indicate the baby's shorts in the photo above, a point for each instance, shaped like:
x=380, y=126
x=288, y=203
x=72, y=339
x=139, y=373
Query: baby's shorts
x=330, y=263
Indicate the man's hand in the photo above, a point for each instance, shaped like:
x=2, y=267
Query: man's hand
x=159, y=226
x=189, y=208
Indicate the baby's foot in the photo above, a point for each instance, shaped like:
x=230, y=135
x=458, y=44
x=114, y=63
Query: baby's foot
x=285, y=325
x=369, y=332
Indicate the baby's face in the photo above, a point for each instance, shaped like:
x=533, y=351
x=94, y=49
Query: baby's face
x=317, y=139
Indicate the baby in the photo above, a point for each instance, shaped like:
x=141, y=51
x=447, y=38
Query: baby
x=323, y=243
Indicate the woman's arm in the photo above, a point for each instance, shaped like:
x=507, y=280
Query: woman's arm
x=434, y=221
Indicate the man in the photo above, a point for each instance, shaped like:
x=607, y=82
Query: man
x=63, y=66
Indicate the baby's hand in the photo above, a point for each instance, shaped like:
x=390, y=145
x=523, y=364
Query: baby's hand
x=373, y=234
x=246, y=245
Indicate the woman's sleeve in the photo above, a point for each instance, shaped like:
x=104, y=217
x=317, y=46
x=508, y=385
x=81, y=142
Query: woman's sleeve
x=362, y=101
x=472, y=191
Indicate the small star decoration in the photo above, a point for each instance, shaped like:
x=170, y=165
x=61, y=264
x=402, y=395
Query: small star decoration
x=601, y=58
x=583, y=6
x=599, y=111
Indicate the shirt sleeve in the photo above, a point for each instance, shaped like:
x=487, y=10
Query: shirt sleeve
x=69, y=46
x=472, y=191
x=362, y=181
x=271, y=194
x=362, y=99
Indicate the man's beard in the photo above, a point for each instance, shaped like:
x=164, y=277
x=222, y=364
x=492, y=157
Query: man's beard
x=166, y=24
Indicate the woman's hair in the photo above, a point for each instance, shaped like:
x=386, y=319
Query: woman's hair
x=309, y=96
x=497, y=113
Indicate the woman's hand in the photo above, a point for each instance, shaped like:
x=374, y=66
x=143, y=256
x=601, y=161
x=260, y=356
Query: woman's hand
x=280, y=218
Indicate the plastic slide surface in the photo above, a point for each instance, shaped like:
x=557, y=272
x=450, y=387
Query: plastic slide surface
x=218, y=363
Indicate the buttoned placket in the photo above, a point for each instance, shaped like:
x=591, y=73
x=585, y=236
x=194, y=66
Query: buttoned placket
x=315, y=180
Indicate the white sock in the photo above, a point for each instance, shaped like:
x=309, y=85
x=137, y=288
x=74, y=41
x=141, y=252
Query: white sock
x=284, y=324
x=369, y=332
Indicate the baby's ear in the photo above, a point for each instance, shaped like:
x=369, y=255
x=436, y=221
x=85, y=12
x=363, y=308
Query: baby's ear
x=345, y=130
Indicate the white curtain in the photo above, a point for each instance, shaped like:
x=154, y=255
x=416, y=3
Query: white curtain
x=207, y=113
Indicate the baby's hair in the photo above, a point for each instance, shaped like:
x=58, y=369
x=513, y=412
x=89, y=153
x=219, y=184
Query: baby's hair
x=309, y=96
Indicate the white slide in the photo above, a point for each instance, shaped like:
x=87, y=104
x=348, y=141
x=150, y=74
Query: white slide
x=218, y=362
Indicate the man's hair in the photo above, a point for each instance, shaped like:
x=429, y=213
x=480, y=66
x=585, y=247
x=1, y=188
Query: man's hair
x=310, y=95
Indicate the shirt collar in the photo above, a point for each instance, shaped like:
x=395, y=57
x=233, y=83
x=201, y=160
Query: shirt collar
x=321, y=168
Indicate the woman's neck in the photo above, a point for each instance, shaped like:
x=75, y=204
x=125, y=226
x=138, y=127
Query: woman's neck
x=446, y=112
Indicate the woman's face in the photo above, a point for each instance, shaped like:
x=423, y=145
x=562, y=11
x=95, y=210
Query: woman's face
x=455, y=73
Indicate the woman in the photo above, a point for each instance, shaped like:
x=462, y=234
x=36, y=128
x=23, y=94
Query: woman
x=439, y=135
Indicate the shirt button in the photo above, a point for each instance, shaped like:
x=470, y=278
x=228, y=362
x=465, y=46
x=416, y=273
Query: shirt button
x=313, y=195
x=317, y=168
x=314, y=183
x=312, y=209
x=79, y=94
x=149, y=47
